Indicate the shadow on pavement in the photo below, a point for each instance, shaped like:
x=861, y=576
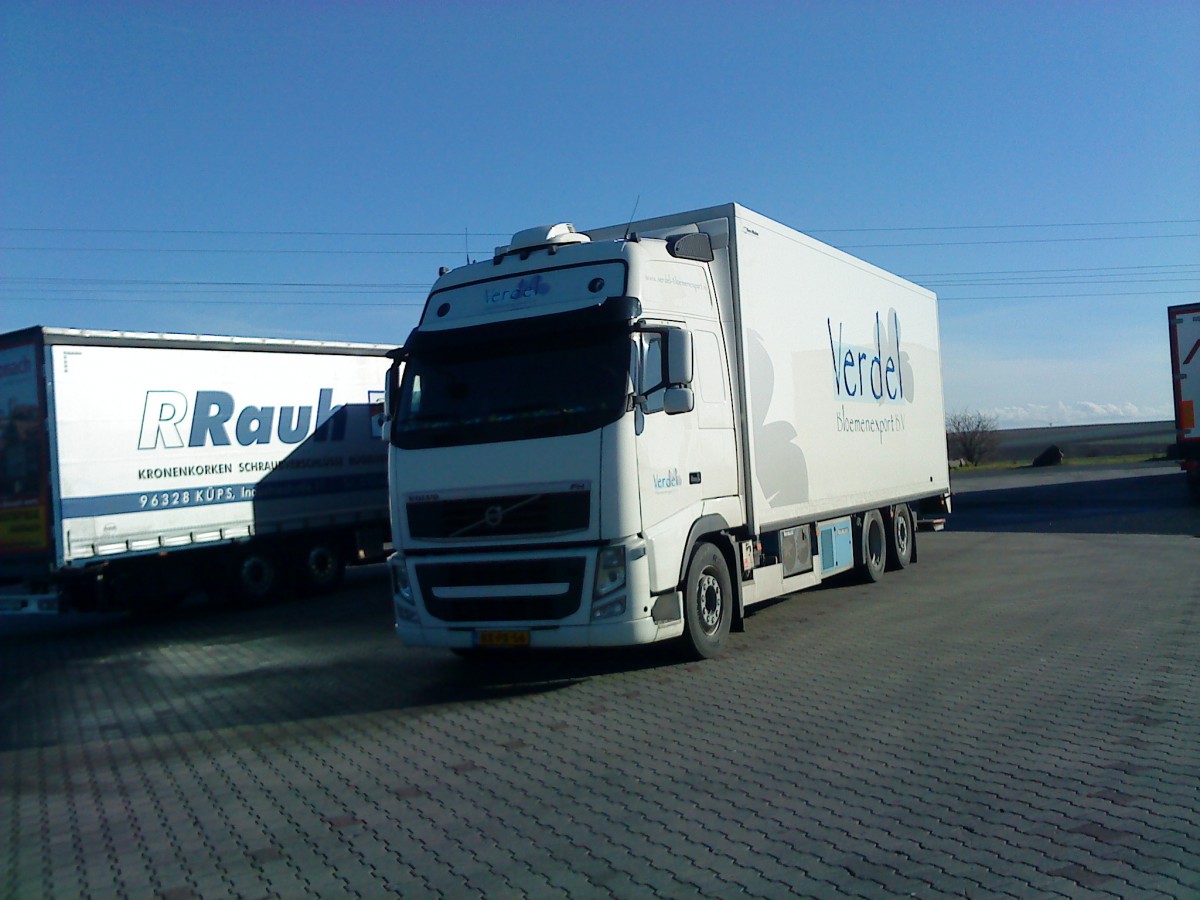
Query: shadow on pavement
x=69, y=680
x=1142, y=504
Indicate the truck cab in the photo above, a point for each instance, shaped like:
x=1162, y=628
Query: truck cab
x=563, y=422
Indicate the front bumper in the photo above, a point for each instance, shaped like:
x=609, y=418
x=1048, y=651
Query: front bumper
x=541, y=597
x=619, y=634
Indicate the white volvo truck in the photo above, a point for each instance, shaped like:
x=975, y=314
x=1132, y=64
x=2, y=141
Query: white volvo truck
x=636, y=433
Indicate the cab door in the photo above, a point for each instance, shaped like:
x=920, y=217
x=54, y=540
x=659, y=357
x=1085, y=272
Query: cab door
x=683, y=459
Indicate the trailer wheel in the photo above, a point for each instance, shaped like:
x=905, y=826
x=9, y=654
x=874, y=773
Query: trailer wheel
x=902, y=537
x=320, y=566
x=708, y=602
x=256, y=577
x=873, y=541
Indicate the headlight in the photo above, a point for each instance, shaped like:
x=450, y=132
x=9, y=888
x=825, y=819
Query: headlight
x=403, y=603
x=401, y=587
x=610, y=571
x=610, y=578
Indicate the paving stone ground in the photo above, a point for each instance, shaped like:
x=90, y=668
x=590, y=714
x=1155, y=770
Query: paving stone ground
x=1015, y=716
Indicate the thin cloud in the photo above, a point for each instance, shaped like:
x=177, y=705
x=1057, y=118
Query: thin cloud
x=1078, y=412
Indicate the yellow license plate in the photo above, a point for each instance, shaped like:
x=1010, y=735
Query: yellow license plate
x=502, y=639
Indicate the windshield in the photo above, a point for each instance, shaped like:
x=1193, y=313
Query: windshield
x=505, y=391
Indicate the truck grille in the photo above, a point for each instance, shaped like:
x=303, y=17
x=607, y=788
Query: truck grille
x=509, y=516
x=510, y=591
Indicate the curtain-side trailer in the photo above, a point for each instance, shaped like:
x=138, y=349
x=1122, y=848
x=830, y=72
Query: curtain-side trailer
x=136, y=467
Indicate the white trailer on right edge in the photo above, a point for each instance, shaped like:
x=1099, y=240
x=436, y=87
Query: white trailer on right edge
x=636, y=433
x=1185, y=371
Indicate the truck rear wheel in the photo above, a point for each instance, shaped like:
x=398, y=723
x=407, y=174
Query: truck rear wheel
x=901, y=537
x=872, y=543
x=320, y=566
x=708, y=602
x=256, y=576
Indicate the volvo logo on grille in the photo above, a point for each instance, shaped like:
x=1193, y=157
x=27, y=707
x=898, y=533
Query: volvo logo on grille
x=559, y=511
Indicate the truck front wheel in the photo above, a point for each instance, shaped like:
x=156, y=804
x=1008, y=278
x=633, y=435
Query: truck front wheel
x=708, y=602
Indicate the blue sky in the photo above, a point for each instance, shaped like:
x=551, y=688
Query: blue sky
x=302, y=169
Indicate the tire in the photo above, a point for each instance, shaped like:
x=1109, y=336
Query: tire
x=902, y=538
x=320, y=566
x=708, y=603
x=872, y=547
x=256, y=576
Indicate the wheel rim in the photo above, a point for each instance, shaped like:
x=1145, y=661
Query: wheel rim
x=709, y=602
x=902, y=536
x=258, y=576
x=322, y=564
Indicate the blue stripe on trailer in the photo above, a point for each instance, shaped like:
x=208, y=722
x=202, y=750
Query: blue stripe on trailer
x=216, y=494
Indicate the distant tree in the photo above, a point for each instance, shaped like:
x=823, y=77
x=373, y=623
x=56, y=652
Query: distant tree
x=971, y=436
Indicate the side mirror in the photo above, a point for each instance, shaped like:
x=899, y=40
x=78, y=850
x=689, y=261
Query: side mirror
x=678, y=356
x=391, y=394
x=678, y=400
x=674, y=362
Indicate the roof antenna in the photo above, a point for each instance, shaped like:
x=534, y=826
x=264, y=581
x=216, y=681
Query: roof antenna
x=631, y=215
x=467, y=243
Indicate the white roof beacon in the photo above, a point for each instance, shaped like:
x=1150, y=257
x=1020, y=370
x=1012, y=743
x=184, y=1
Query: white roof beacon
x=543, y=236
